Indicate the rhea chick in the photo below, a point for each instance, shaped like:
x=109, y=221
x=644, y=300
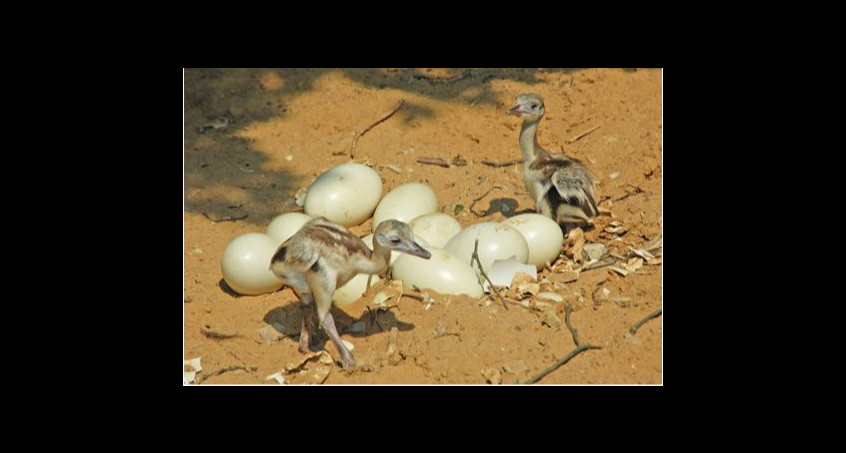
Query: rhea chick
x=561, y=186
x=323, y=256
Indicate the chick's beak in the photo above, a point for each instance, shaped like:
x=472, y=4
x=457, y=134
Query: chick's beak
x=517, y=109
x=414, y=249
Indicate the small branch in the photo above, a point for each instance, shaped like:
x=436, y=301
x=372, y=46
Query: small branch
x=637, y=191
x=457, y=161
x=208, y=333
x=580, y=136
x=226, y=219
x=482, y=271
x=507, y=163
x=382, y=118
x=573, y=331
x=579, y=349
x=643, y=321
x=561, y=362
x=433, y=161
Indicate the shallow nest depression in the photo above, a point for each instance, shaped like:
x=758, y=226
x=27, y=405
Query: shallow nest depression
x=253, y=137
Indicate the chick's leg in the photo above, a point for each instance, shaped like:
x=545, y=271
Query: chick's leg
x=322, y=282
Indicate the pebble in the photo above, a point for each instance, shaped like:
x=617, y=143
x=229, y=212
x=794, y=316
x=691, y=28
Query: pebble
x=594, y=251
x=492, y=375
x=269, y=334
x=515, y=367
x=551, y=320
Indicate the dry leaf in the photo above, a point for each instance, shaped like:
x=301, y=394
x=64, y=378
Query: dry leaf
x=642, y=253
x=278, y=377
x=655, y=262
x=616, y=269
x=634, y=264
x=576, y=240
x=392, y=290
x=565, y=276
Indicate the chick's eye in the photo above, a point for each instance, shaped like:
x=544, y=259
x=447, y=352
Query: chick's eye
x=534, y=106
x=395, y=241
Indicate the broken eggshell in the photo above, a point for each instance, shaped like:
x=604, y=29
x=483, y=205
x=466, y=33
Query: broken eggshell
x=502, y=272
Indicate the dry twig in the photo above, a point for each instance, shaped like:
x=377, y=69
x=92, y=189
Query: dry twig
x=580, y=136
x=482, y=271
x=433, y=161
x=208, y=333
x=580, y=347
x=225, y=219
x=382, y=118
x=224, y=370
x=643, y=321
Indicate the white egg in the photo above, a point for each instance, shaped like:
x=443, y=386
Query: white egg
x=435, y=228
x=246, y=264
x=542, y=234
x=368, y=240
x=405, y=203
x=285, y=226
x=352, y=290
x=443, y=272
x=346, y=194
x=497, y=241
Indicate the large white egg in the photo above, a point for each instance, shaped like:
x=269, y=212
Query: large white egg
x=497, y=241
x=246, y=264
x=352, y=290
x=286, y=225
x=405, y=203
x=542, y=234
x=435, y=228
x=368, y=240
x=346, y=194
x=443, y=272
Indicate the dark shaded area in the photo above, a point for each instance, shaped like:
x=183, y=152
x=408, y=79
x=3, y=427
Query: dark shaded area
x=241, y=97
x=290, y=316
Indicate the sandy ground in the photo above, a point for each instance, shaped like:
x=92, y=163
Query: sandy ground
x=286, y=126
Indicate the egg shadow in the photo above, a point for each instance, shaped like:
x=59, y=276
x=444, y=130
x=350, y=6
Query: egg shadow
x=287, y=321
x=227, y=289
x=505, y=206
